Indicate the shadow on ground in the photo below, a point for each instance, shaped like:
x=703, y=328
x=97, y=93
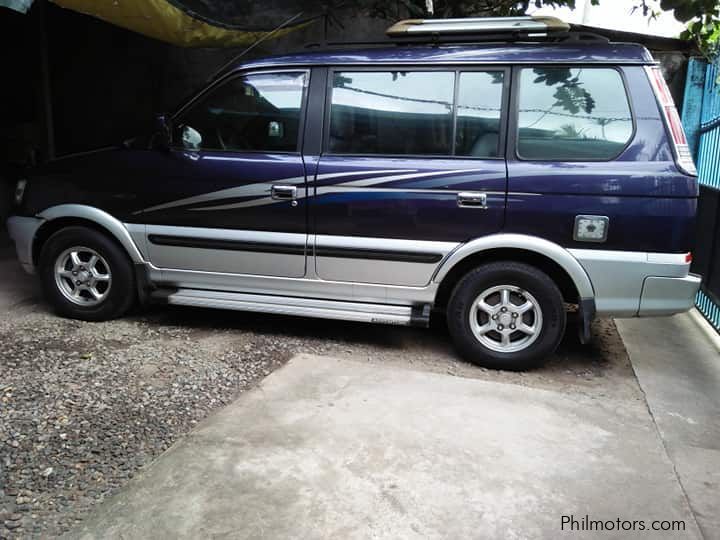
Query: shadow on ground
x=573, y=364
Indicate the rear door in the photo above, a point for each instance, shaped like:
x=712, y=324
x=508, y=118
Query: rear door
x=582, y=144
x=412, y=165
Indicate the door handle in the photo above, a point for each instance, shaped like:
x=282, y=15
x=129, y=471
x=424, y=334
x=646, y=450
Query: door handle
x=192, y=156
x=472, y=199
x=283, y=193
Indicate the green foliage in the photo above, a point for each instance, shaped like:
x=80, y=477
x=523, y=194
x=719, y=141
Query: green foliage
x=569, y=92
x=570, y=131
x=703, y=20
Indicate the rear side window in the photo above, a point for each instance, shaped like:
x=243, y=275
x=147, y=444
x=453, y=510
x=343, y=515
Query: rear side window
x=416, y=113
x=396, y=112
x=478, y=113
x=572, y=114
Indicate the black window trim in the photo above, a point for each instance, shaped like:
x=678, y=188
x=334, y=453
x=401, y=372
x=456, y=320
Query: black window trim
x=314, y=117
x=456, y=69
x=514, y=127
x=240, y=74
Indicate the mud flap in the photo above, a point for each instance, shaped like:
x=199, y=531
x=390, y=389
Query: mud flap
x=143, y=284
x=586, y=314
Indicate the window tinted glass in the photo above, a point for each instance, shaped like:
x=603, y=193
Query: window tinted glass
x=258, y=112
x=478, y=114
x=572, y=114
x=396, y=112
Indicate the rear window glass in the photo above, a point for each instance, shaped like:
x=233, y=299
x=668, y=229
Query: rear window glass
x=478, y=113
x=393, y=112
x=415, y=112
x=572, y=114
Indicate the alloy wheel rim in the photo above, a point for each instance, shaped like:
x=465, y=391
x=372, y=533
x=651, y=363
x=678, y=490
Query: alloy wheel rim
x=83, y=276
x=506, y=319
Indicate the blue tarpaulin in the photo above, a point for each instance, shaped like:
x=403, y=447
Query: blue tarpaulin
x=18, y=5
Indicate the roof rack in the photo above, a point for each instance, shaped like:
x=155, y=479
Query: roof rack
x=473, y=30
x=478, y=27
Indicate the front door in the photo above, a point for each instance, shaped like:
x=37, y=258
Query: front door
x=230, y=194
x=413, y=165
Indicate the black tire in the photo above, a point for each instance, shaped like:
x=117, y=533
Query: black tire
x=121, y=294
x=526, y=278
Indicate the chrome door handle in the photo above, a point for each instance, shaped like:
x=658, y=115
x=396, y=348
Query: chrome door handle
x=472, y=199
x=283, y=193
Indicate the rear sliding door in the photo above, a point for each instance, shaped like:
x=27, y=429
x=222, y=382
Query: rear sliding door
x=412, y=165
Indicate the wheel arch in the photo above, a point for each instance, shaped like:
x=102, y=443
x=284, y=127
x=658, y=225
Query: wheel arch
x=66, y=215
x=554, y=260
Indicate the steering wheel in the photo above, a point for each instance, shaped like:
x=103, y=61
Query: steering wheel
x=220, y=139
x=233, y=139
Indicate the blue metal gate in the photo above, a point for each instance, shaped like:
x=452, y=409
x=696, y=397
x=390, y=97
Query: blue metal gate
x=701, y=117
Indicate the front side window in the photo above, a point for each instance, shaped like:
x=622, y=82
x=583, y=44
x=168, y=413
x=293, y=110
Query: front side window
x=572, y=114
x=258, y=112
x=392, y=112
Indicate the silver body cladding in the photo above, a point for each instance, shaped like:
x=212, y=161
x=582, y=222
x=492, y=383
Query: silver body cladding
x=355, y=278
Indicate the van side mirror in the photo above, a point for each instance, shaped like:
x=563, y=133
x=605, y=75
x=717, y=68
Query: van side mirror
x=163, y=132
x=191, y=139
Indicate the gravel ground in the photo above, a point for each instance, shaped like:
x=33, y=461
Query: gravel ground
x=84, y=405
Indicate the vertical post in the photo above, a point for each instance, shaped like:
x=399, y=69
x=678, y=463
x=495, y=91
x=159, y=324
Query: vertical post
x=46, y=127
x=586, y=12
x=693, y=102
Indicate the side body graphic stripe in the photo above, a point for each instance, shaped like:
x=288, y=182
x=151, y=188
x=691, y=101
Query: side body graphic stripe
x=260, y=192
x=257, y=189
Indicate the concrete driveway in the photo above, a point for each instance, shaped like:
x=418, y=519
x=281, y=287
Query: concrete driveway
x=368, y=432
x=328, y=448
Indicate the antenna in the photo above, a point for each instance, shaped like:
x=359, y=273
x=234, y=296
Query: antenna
x=255, y=43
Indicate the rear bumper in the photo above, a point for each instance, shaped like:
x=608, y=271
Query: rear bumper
x=632, y=284
x=666, y=296
x=22, y=231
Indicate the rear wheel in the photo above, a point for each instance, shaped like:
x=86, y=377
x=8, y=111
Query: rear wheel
x=86, y=275
x=506, y=315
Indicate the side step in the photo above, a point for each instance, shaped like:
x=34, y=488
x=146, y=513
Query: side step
x=305, y=307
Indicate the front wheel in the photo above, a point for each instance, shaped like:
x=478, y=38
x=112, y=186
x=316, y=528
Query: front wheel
x=506, y=315
x=86, y=275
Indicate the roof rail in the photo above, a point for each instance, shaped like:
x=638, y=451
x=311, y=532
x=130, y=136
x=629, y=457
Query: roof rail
x=572, y=36
x=479, y=28
x=333, y=44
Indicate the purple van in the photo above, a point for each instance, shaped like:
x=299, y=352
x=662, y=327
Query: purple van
x=494, y=183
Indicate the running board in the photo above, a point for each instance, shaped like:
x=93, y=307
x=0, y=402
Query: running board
x=305, y=307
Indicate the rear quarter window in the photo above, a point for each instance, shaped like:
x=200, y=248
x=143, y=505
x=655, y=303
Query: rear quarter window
x=572, y=114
